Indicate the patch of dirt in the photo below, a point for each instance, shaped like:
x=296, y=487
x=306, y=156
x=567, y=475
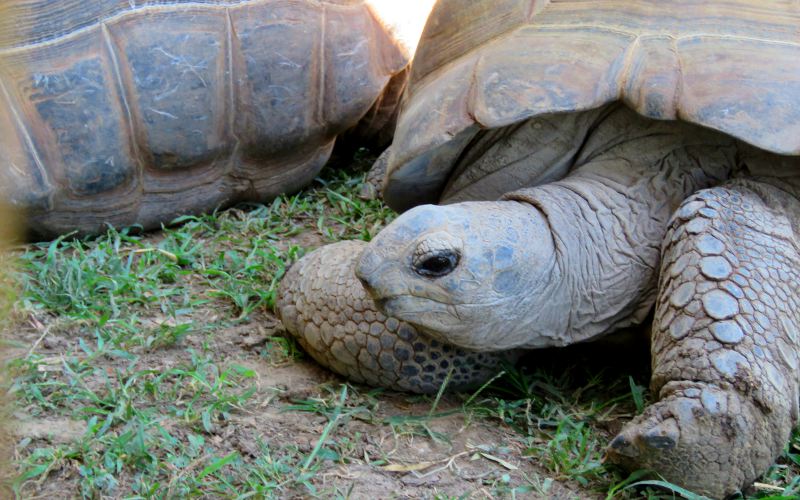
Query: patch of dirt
x=50, y=429
x=473, y=457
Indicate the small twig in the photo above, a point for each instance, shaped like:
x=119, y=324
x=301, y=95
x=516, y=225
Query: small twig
x=767, y=487
x=504, y=463
x=171, y=256
x=44, y=334
x=413, y=468
x=444, y=467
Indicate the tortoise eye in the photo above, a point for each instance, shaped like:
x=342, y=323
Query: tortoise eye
x=436, y=264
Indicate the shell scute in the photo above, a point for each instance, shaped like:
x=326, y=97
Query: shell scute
x=75, y=114
x=75, y=107
x=354, y=70
x=652, y=82
x=174, y=67
x=24, y=181
x=725, y=89
x=276, y=48
x=540, y=71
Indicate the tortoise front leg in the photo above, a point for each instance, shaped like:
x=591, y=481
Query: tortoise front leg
x=724, y=342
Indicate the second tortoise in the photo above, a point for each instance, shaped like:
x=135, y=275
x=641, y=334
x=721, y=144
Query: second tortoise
x=596, y=161
x=122, y=112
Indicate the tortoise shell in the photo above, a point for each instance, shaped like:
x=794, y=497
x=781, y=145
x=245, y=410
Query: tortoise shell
x=732, y=66
x=128, y=111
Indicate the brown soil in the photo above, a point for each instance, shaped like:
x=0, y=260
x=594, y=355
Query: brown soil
x=478, y=455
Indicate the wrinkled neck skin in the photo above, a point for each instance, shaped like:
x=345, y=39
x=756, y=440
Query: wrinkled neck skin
x=553, y=264
x=609, y=216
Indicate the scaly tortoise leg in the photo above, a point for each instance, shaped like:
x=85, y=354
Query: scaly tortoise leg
x=724, y=342
x=324, y=306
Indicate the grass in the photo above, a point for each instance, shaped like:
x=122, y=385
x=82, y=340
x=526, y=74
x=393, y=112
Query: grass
x=149, y=367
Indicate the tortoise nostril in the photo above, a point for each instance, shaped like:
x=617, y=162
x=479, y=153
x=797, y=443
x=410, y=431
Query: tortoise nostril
x=623, y=446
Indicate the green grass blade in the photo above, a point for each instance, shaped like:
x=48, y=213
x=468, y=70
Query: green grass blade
x=218, y=464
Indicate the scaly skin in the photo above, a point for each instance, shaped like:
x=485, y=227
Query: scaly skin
x=325, y=307
x=724, y=342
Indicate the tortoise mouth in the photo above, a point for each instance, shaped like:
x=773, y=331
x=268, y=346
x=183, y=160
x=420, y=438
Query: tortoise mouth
x=437, y=320
x=408, y=304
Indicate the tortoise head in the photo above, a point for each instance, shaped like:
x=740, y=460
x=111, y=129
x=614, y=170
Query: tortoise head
x=468, y=274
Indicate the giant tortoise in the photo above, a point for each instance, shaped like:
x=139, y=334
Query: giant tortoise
x=121, y=111
x=594, y=160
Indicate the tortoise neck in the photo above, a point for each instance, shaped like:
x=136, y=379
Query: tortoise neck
x=607, y=280
x=609, y=216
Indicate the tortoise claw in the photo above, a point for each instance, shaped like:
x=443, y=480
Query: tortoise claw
x=622, y=445
x=645, y=438
x=663, y=436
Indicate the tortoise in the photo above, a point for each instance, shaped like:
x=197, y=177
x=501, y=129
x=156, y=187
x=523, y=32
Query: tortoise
x=121, y=112
x=594, y=162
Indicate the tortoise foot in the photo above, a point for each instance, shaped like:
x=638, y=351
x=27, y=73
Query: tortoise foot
x=711, y=441
x=724, y=342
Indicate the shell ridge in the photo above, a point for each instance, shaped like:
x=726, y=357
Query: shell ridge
x=536, y=7
x=123, y=88
x=417, y=84
x=323, y=65
x=471, y=94
x=678, y=95
x=630, y=56
x=679, y=38
x=230, y=94
x=41, y=173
